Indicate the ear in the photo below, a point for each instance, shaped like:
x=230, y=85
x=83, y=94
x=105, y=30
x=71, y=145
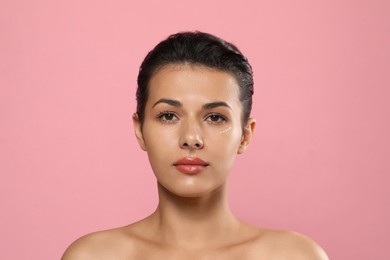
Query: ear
x=138, y=131
x=247, y=135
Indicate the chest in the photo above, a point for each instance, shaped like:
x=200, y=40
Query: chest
x=180, y=254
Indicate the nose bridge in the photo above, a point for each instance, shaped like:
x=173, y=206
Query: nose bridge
x=191, y=134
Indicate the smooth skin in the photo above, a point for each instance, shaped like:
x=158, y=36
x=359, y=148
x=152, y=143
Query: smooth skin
x=187, y=114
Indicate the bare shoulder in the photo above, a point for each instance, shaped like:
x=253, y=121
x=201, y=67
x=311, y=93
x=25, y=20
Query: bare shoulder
x=108, y=244
x=290, y=245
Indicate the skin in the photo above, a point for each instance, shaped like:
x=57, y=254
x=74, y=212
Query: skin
x=193, y=111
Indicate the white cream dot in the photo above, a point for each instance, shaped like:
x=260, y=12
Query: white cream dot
x=224, y=131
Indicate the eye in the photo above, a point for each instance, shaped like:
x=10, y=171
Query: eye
x=167, y=117
x=215, y=118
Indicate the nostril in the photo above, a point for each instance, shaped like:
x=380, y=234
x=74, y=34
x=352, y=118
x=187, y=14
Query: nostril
x=192, y=146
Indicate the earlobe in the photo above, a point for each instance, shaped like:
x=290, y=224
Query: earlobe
x=247, y=135
x=138, y=131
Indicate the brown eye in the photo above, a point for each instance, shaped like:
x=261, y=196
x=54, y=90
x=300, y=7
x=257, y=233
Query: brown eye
x=167, y=117
x=216, y=118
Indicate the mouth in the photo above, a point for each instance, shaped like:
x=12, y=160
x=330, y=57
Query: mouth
x=190, y=165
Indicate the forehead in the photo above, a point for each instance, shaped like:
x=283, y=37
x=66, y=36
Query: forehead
x=188, y=82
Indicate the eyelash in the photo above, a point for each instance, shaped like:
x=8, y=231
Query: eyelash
x=220, y=117
x=161, y=117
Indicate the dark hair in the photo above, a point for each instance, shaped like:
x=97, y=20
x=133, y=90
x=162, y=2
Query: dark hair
x=197, y=48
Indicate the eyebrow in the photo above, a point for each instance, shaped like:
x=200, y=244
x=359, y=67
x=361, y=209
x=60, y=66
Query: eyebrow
x=171, y=102
x=215, y=104
x=176, y=103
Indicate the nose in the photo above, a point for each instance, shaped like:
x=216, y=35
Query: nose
x=191, y=137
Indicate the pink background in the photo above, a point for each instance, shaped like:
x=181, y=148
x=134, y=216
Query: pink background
x=319, y=163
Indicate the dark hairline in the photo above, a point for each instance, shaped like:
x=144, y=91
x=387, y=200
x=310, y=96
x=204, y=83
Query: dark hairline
x=202, y=50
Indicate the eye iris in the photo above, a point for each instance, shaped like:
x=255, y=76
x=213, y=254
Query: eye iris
x=214, y=117
x=168, y=116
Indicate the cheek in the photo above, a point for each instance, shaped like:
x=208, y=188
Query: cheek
x=158, y=142
x=225, y=130
x=225, y=142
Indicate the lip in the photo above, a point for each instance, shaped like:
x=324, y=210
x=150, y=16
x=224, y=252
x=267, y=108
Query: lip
x=190, y=165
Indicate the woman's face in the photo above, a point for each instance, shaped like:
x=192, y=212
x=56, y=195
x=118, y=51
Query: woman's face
x=192, y=128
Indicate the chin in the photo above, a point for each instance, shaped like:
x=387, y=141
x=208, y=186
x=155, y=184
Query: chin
x=191, y=191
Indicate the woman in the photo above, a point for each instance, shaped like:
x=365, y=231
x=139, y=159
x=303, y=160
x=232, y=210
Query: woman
x=194, y=100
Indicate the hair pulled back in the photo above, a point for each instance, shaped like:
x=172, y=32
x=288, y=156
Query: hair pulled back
x=197, y=48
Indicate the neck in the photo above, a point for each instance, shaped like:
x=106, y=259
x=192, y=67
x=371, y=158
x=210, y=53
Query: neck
x=195, y=221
